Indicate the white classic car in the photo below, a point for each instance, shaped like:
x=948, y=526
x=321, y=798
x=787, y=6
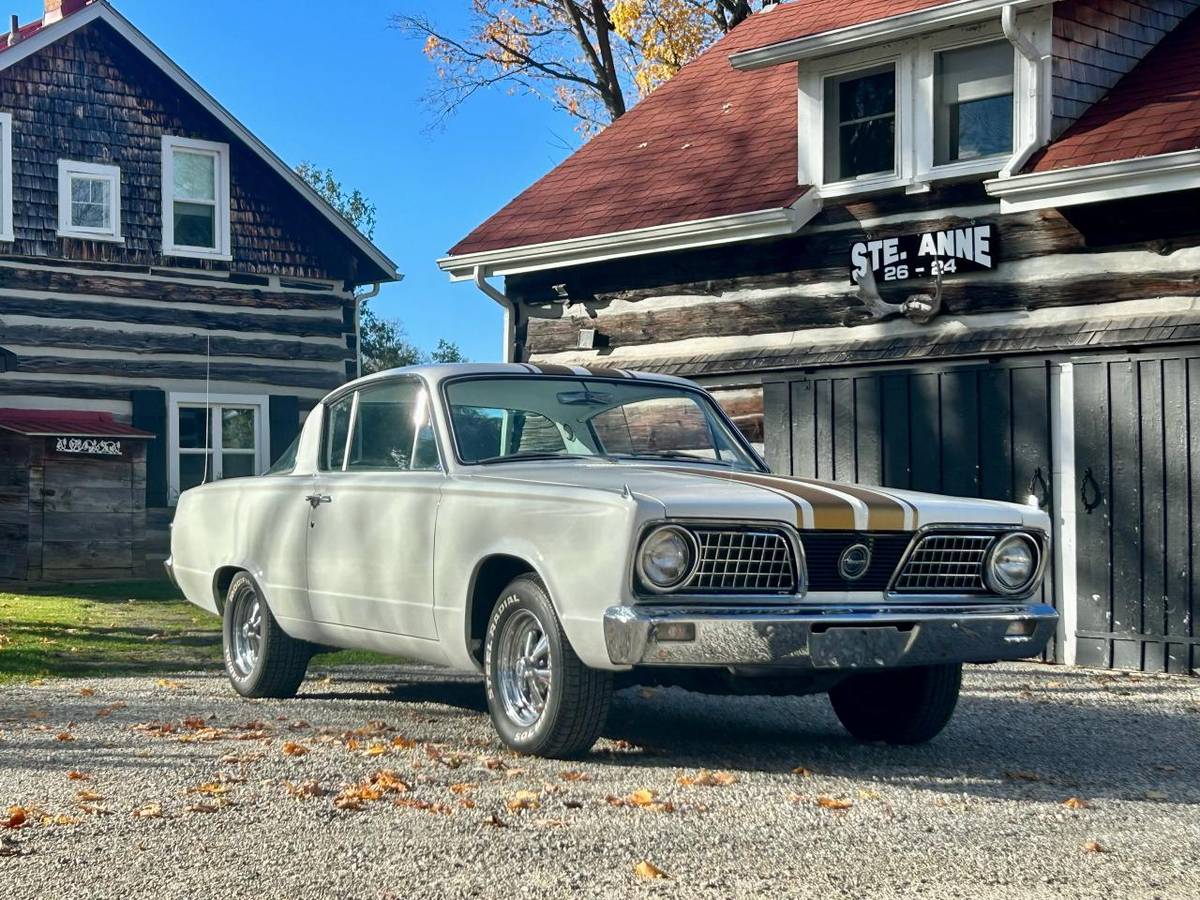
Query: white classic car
x=555, y=527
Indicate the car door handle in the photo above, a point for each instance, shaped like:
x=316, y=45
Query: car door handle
x=315, y=500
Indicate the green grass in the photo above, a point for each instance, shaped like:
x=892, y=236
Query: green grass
x=122, y=628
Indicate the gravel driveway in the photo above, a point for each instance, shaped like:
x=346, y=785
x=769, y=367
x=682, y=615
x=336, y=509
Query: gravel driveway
x=1048, y=783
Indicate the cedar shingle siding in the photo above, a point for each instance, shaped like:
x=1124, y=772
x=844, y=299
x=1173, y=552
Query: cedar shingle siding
x=92, y=97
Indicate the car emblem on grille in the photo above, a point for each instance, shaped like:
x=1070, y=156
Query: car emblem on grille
x=854, y=562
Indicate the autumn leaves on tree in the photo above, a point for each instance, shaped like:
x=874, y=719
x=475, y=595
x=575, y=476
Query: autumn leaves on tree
x=590, y=58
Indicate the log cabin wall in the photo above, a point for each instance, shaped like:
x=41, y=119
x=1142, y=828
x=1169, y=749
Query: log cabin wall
x=1098, y=41
x=119, y=327
x=726, y=315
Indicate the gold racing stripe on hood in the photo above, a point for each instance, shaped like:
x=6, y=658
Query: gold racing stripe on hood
x=884, y=512
x=816, y=506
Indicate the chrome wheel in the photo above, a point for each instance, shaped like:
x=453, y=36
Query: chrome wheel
x=245, y=631
x=524, y=669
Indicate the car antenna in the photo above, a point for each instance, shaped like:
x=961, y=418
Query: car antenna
x=207, y=405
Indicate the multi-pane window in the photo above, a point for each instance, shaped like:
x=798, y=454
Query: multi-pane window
x=195, y=197
x=89, y=201
x=973, y=118
x=860, y=124
x=222, y=438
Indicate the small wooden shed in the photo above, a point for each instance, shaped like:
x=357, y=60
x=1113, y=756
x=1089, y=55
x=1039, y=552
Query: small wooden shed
x=72, y=496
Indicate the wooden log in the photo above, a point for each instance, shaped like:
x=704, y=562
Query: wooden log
x=219, y=371
x=782, y=313
x=296, y=326
x=82, y=557
x=149, y=341
x=70, y=526
x=101, y=285
x=89, y=499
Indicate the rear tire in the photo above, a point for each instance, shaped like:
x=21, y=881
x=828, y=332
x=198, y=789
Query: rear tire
x=900, y=706
x=260, y=659
x=543, y=700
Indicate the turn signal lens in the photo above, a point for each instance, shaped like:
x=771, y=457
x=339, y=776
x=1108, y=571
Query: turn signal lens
x=666, y=558
x=1012, y=564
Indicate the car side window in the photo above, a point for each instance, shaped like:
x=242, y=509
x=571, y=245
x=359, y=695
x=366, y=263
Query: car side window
x=393, y=429
x=337, y=429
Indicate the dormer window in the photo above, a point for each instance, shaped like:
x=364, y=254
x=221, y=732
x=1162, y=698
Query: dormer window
x=860, y=124
x=974, y=114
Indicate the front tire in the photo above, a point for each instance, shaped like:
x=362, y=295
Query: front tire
x=260, y=659
x=901, y=706
x=543, y=700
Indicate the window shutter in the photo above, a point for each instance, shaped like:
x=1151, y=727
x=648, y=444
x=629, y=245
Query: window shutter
x=150, y=414
x=284, y=417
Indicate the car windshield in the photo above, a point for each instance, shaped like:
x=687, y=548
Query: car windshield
x=509, y=419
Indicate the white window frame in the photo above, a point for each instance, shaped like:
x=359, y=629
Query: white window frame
x=6, y=179
x=915, y=61
x=67, y=170
x=215, y=402
x=220, y=153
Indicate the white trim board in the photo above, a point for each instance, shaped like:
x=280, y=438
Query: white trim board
x=877, y=31
x=1098, y=182
x=103, y=11
x=636, y=242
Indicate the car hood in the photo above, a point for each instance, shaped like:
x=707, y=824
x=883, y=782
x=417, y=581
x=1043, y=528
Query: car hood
x=703, y=491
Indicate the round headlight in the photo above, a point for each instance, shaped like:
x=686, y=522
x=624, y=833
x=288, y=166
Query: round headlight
x=1012, y=564
x=666, y=558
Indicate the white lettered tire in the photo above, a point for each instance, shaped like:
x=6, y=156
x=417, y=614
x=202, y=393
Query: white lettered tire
x=543, y=700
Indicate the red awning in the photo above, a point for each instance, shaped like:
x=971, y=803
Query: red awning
x=66, y=423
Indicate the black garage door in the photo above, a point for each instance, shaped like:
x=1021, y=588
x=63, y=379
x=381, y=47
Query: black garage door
x=1137, y=459
x=971, y=431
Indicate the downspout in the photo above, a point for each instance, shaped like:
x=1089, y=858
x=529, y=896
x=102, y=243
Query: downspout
x=359, y=300
x=510, y=312
x=1027, y=49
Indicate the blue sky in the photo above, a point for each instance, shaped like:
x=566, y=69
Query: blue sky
x=334, y=85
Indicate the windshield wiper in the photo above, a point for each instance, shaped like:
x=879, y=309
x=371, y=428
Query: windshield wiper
x=673, y=454
x=527, y=455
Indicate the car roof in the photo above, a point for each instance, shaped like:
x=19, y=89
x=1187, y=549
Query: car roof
x=439, y=372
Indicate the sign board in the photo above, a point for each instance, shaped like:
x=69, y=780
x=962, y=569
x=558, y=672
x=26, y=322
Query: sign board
x=925, y=255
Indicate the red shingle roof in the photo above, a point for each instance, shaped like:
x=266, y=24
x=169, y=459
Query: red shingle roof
x=70, y=423
x=711, y=142
x=1154, y=109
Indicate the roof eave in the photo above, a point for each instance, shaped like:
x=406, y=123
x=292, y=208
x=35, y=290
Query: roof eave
x=102, y=10
x=736, y=228
x=1095, y=183
x=893, y=28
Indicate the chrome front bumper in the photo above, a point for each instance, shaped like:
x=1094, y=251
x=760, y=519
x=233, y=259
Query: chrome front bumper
x=828, y=637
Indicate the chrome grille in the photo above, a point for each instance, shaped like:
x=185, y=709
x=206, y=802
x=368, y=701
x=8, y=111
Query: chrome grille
x=744, y=561
x=946, y=563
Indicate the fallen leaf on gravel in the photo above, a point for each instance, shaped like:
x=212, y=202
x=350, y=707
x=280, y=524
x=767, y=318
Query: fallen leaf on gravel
x=642, y=797
x=211, y=789
x=462, y=787
x=1094, y=847
x=149, y=811
x=706, y=778
x=86, y=692
x=169, y=684
x=427, y=806
x=868, y=794
x=291, y=748
x=377, y=750
x=403, y=743
x=64, y=736
x=648, y=870
x=495, y=821
x=389, y=782
x=833, y=803
x=106, y=711
x=58, y=819
x=73, y=775
x=1076, y=803
x=94, y=810
x=305, y=789
x=1022, y=776
x=573, y=804
x=572, y=775
x=524, y=800
x=802, y=772
x=493, y=763
x=234, y=759
x=18, y=817
x=86, y=796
